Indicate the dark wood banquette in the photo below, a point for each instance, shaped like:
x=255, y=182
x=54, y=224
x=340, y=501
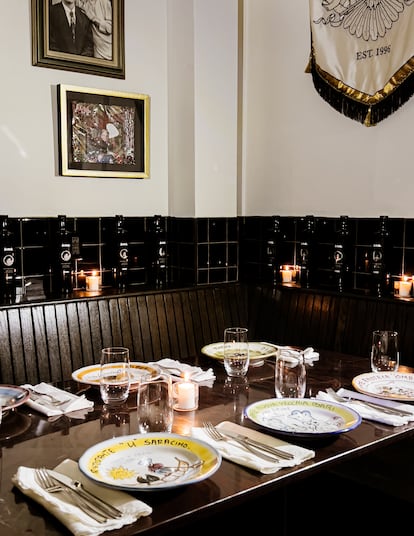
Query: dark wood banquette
x=46, y=341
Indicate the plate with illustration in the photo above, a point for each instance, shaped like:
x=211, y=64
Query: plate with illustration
x=303, y=417
x=148, y=462
x=387, y=385
x=258, y=351
x=90, y=374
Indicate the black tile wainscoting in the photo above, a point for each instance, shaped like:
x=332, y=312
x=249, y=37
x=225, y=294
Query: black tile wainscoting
x=168, y=252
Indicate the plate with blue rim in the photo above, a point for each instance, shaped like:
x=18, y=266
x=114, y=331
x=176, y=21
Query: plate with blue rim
x=150, y=461
x=304, y=418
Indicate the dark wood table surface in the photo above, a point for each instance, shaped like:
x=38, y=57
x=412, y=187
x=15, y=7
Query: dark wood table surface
x=29, y=438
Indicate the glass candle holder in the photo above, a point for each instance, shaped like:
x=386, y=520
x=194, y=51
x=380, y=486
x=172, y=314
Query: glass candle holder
x=185, y=395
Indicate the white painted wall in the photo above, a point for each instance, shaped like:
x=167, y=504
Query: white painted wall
x=299, y=156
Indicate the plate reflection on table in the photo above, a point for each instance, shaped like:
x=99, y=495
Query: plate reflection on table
x=13, y=424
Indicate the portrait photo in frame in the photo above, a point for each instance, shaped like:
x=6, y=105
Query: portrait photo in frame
x=103, y=133
x=88, y=38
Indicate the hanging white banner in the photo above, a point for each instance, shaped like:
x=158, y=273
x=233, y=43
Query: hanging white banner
x=362, y=55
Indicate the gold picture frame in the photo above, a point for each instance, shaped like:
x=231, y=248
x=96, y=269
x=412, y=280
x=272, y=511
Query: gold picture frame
x=103, y=133
x=107, y=55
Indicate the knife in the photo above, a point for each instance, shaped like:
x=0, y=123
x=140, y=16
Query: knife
x=384, y=409
x=76, y=486
x=258, y=445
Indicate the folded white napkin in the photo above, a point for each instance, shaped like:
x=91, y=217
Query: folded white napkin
x=308, y=354
x=369, y=413
x=40, y=401
x=234, y=452
x=70, y=515
x=176, y=368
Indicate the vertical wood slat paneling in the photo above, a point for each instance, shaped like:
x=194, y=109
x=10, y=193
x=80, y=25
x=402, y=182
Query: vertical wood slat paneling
x=171, y=326
x=87, y=355
x=125, y=322
x=115, y=323
x=187, y=325
x=17, y=350
x=96, y=339
x=105, y=323
x=144, y=320
x=55, y=366
x=136, y=343
x=31, y=336
x=6, y=361
x=153, y=328
x=67, y=325
x=163, y=331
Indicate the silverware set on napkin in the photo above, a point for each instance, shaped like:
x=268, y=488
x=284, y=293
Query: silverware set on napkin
x=89, y=503
x=255, y=447
x=378, y=407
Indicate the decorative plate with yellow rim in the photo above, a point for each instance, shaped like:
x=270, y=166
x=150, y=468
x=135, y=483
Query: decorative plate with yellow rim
x=90, y=374
x=258, y=351
x=148, y=462
x=303, y=417
x=387, y=385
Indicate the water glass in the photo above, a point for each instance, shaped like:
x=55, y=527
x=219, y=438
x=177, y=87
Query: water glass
x=114, y=379
x=385, y=355
x=155, y=411
x=290, y=376
x=236, y=351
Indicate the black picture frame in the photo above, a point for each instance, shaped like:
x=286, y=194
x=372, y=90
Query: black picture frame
x=103, y=133
x=45, y=54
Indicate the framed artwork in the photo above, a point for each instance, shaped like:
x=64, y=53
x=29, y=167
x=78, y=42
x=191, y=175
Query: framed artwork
x=103, y=133
x=86, y=36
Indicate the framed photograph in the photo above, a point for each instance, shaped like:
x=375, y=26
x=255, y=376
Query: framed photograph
x=86, y=36
x=103, y=133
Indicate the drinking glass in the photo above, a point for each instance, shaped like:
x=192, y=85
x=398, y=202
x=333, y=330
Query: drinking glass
x=290, y=376
x=155, y=411
x=385, y=355
x=236, y=351
x=114, y=379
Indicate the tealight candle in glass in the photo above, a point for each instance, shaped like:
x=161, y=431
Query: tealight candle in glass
x=185, y=394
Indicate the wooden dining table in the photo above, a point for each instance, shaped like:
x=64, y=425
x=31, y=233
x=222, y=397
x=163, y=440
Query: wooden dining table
x=29, y=438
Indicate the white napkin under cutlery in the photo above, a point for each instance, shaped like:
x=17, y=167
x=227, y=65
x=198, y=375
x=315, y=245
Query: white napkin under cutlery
x=370, y=413
x=176, y=369
x=233, y=451
x=77, y=521
x=52, y=401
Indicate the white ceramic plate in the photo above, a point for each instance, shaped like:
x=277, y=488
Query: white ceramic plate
x=147, y=462
x=257, y=350
x=90, y=374
x=303, y=417
x=387, y=385
x=12, y=396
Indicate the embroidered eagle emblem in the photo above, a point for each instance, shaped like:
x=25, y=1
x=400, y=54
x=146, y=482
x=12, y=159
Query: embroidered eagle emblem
x=365, y=19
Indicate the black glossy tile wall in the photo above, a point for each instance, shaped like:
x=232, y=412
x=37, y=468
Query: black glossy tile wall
x=259, y=252
x=206, y=250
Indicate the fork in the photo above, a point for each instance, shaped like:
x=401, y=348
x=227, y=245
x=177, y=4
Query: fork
x=48, y=484
x=215, y=434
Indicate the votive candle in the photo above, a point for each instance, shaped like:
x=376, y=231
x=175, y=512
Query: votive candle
x=186, y=395
x=92, y=281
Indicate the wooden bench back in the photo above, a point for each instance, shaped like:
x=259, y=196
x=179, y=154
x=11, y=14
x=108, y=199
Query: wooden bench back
x=328, y=320
x=48, y=341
